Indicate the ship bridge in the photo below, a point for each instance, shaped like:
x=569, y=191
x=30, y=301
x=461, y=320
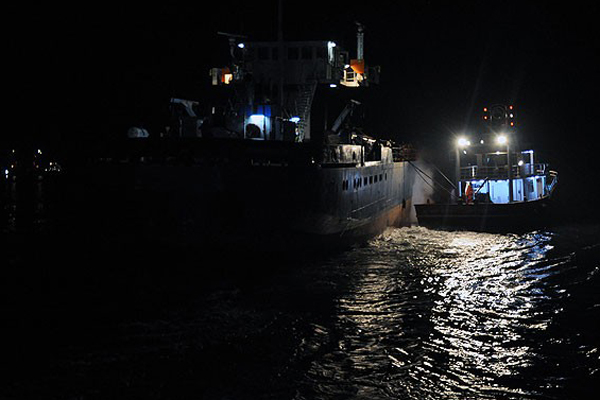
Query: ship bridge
x=281, y=78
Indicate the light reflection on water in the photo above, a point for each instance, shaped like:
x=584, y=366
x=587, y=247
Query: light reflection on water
x=415, y=314
x=444, y=314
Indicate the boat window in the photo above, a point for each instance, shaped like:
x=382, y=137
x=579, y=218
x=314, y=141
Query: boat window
x=306, y=53
x=321, y=53
x=274, y=53
x=370, y=179
x=380, y=177
x=293, y=53
x=365, y=180
x=375, y=178
x=263, y=53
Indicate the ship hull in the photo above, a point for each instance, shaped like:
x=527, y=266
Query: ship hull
x=254, y=196
x=486, y=217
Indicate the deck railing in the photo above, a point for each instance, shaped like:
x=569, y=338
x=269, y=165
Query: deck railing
x=501, y=172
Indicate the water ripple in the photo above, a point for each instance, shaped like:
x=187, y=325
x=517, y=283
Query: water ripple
x=434, y=314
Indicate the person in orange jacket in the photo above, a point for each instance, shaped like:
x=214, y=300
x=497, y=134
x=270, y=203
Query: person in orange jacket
x=469, y=193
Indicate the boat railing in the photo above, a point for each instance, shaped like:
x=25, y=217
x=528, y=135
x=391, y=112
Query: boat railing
x=501, y=171
x=343, y=154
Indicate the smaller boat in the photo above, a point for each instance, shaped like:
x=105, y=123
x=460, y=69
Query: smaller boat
x=500, y=186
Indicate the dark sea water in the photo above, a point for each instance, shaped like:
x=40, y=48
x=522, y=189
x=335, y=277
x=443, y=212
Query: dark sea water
x=413, y=314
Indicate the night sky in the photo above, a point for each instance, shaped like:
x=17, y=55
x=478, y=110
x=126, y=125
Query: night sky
x=94, y=71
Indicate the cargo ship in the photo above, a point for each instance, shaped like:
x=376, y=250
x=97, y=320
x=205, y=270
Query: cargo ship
x=500, y=186
x=275, y=162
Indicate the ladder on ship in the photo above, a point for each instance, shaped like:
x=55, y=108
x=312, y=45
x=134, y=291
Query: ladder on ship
x=303, y=106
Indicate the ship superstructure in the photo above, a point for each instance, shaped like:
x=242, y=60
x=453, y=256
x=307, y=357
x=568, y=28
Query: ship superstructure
x=495, y=167
x=499, y=184
x=266, y=164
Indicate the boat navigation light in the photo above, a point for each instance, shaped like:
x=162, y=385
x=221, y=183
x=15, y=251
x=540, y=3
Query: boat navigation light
x=241, y=45
x=463, y=142
x=501, y=139
x=295, y=119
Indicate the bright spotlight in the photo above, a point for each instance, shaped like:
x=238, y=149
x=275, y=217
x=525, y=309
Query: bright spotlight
x=463, y=142
x=501, y=139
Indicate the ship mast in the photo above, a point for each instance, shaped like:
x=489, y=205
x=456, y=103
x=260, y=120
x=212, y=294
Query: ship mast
x=281, y=55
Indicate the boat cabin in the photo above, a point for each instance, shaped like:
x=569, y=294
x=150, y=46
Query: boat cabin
x=491, y=168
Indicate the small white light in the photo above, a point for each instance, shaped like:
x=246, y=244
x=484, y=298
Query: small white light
x=241, y=45
x=332, y=85
x=501, y=139
x=481, y=141
x=520, y=163
x=295, y=119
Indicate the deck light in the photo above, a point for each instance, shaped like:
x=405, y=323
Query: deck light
x=257, y=119
x=501, y=139
x=463, y=142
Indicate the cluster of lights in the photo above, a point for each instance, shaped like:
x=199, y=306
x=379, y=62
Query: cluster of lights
x=511, y=115
x=462, y=141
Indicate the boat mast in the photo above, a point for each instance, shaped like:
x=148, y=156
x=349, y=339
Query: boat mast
x=281, y=55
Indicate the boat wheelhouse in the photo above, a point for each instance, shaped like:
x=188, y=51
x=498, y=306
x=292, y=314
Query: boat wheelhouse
x=498, y=184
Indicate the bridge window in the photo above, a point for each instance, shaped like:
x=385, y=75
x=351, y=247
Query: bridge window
x=306, y=53
x=293, y=53
x=263, y=53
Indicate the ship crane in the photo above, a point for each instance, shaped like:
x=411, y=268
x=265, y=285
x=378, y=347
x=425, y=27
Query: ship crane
x=343, y=115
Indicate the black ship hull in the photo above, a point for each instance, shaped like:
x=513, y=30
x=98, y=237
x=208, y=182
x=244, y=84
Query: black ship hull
x=250, y=194
x=485, y=217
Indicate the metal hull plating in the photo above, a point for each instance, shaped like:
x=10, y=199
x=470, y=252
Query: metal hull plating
x=485, y=217
x=258, y=195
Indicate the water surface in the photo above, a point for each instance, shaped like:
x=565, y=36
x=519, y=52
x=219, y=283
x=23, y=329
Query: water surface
x=414, y=314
